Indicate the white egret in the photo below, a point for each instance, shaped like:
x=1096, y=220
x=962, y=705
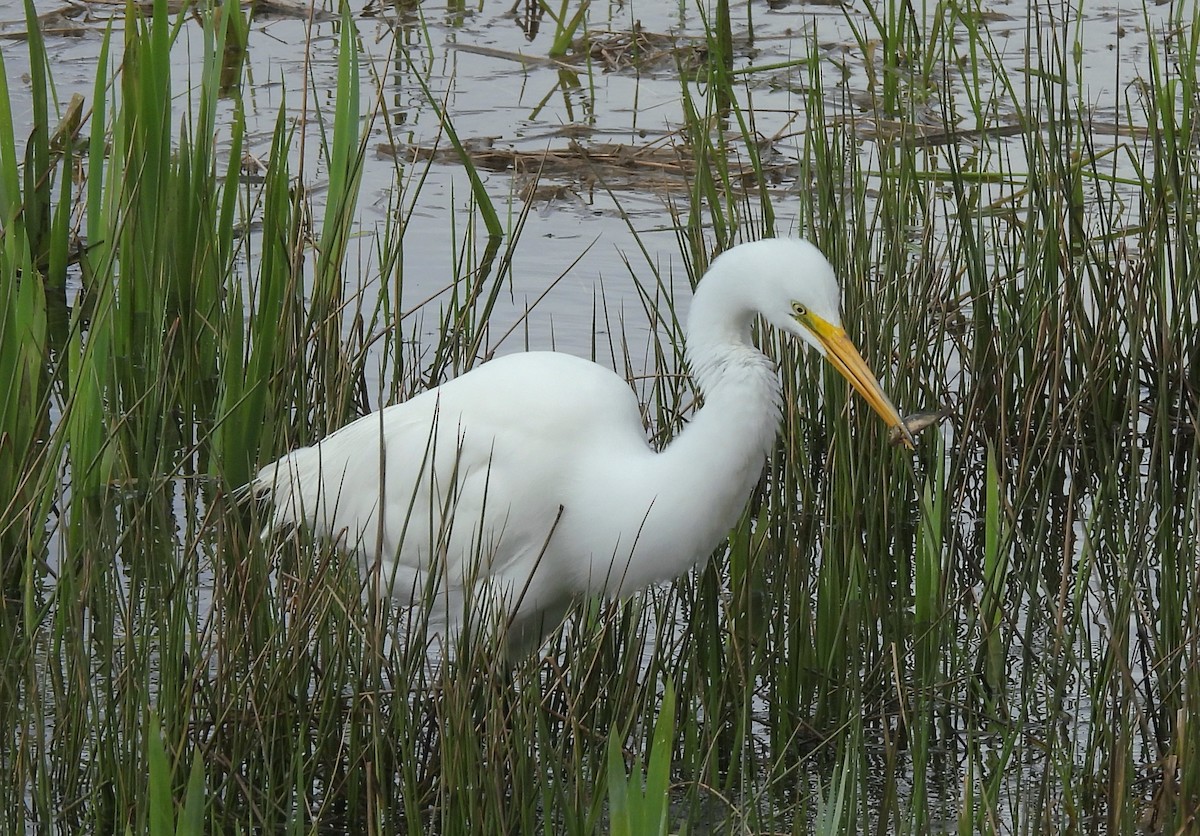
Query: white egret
x=528, y=481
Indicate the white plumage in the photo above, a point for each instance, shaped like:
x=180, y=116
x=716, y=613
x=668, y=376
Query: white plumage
x=527, y=482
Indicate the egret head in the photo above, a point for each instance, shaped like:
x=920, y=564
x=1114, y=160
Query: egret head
x=794, y=286
x=796, y=291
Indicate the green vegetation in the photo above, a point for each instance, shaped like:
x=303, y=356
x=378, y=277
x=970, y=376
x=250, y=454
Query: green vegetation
x=996, y=635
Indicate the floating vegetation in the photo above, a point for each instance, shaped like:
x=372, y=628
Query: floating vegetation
x=642, y=50
x=658, y=168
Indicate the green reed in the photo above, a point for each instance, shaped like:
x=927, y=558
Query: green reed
x=996, y=634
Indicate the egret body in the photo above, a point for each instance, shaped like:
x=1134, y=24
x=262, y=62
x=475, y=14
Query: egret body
x=529, y=481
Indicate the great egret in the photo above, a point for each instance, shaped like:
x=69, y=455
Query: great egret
x=528, y=481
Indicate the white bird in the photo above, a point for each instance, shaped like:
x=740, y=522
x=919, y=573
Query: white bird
x=529, y=482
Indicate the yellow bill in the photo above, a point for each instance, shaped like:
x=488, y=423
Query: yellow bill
x=840, y=351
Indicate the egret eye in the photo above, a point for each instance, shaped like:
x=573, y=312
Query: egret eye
x=798, y=309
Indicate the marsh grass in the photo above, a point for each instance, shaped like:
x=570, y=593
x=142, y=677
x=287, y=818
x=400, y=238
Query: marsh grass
x=998, y=634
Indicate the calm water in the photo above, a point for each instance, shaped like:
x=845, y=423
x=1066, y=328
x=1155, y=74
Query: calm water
x=488, y=66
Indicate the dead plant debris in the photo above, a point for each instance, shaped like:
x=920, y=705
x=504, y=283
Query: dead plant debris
x=616, y=166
